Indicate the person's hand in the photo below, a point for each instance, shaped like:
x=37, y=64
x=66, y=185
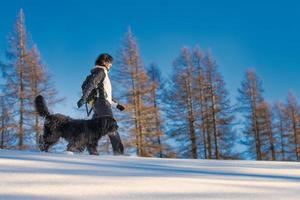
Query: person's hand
x=80, y=103
x=120, y=107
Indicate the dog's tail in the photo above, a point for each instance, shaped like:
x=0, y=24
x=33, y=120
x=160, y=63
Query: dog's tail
x=41, y=107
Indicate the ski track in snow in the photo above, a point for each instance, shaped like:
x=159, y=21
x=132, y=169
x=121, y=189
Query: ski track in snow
x=48, y=176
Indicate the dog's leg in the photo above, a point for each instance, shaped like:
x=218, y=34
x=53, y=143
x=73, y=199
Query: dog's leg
x=75, y=146
x=81, y=149
x=92, y=148
x=72, y=146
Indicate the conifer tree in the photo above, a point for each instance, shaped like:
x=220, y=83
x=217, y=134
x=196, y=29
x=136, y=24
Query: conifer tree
x=181, y=103
x=265, y=123
x=25, y=79
x=281, y=130
x=18, y=82
x=294, y=126
x=134, y=89
x=7, y=123
x=155, y=119
x=39, y=83
x=219, y=112
x=200, y=92
x=250, y=97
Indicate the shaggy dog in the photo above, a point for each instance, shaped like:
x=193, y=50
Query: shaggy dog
x=79, y=133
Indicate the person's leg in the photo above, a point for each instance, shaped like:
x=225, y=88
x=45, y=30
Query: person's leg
x=103, y=109
x=116, y=143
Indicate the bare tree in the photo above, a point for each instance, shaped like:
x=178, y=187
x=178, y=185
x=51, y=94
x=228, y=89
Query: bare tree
x=133, y=76
x=155, y=118
x=219, y=112
x=265, y=123
x=25, y=79
x=281, y=128
x=250, y=97
x=18, y=82
x=201, y=98
x=181, y=103
x=39, y=83
x=7, y=123
x=293, y=115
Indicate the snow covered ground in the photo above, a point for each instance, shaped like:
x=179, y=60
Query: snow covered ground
x=35, y=175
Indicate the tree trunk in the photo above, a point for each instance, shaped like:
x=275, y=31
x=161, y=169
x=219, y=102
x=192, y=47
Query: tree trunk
x=191, y=120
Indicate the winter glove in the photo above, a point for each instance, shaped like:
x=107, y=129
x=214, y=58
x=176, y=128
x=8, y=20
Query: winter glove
x=80, y=103
x=120, y=107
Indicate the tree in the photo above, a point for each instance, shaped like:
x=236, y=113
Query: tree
x=250, y=97
x=265, y=123
x=39, y=83
x=7, y=123
x=18, y=81
x=294, y=130
x=132, y=74
x=219, y=112
x=181, y=103
x=161, y=148
x=281, y=129
x=25, y=79
x=201, y=99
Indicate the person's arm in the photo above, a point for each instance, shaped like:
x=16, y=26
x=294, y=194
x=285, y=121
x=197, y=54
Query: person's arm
x=114, y=103
x=97, y=77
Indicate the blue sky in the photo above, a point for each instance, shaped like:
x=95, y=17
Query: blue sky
x=255, y=34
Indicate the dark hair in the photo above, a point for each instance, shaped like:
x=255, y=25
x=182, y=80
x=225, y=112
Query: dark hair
x=103, y=58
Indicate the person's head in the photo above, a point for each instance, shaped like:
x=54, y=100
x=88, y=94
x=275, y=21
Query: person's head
x=104, y=59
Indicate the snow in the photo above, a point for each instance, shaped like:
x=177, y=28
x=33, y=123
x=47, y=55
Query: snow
x=36, y=175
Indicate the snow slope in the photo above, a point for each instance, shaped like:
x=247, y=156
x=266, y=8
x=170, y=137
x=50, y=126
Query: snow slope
x=35, y=175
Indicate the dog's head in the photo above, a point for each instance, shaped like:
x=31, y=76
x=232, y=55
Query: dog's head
x=50, y=136
x=46, y=141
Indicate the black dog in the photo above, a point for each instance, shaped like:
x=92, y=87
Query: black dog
x=79, y=133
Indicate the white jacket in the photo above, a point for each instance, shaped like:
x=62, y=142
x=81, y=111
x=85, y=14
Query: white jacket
x=107, y=86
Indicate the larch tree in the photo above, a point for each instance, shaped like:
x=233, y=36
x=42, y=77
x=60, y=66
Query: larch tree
x=219, y=112
x=39, y=83
x=250, y=97
x=18, y=83
x=281, y=129
x=293, y=112
x=5, y=125
x=200, y=91
x=25, y=79
x=181, y=105
x=7, y=122
x=132, y=79
x=266, y=127
x=154, y=120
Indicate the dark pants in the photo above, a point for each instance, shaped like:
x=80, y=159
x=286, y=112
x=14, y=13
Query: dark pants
x=116, y=143
x=102, y=109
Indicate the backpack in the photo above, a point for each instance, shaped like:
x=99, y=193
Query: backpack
x=92, y=96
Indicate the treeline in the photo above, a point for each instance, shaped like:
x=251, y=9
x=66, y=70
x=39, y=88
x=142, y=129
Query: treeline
x=190, y=115
x=271, y=129
x=186, y=115
x=23, y=78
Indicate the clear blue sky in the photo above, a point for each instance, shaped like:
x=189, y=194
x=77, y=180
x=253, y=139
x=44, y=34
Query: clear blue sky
x=264, y=35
